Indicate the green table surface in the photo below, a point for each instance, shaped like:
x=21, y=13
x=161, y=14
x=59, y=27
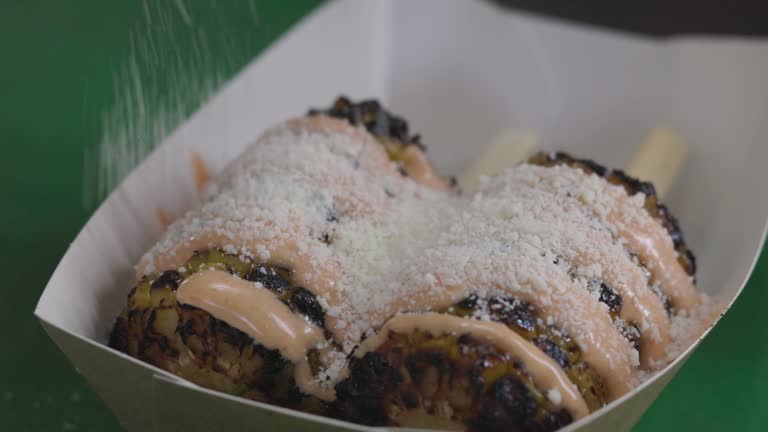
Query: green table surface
x=59, y=59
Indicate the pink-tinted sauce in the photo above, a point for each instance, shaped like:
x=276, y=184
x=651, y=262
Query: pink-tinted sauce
x=547, y=375
x=260, y=314
x=256, y=311
x=163, y=218
x=200, y=172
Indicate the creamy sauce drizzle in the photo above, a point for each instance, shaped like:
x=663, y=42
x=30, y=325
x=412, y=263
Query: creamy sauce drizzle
x=651, y=241
x=603, y=347
x=640, y=305
x=545, y=372
x=200, y=172
x=251, y=309
x=417, y=165
x=163, y=218
x=257, y=312
x=644, y=236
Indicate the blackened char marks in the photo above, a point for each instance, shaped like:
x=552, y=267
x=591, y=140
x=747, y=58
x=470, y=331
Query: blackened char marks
x=454, y=378
x=509, y=311
x=522, y=318
x=511, y=404
x=307, y=304
x=119, y=337
x=231, y=335
x=170, y=279
x=269, y=278
x=612, y=299
x=553, y=351
x=359, y=398
x=633, y=186
x=193, y=344
x=377, y=120
x=685, y=256
x=512, y=312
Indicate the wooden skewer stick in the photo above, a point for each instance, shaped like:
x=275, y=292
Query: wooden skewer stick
x=659, y=160
x=507, y=149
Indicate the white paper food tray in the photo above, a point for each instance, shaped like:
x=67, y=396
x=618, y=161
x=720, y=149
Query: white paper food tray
x=458, y=71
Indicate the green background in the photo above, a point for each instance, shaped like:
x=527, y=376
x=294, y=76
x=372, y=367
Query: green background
x=58, y=60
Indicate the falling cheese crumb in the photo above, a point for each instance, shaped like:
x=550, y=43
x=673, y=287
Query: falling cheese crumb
x=396, y=243
x=554, y=396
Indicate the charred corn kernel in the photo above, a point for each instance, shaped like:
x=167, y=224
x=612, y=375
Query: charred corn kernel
x=191, y=343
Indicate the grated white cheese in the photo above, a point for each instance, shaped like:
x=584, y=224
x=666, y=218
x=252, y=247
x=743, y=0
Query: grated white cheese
x=554, y=396
x=382, y=244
